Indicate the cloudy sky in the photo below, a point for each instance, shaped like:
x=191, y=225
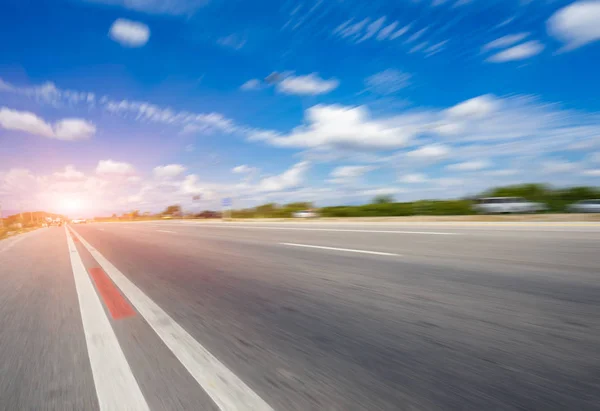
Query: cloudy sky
x=113, y=105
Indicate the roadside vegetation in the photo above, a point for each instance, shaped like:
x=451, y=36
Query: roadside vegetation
x=23, y=222
x=557, y=201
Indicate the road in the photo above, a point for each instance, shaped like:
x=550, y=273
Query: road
x=301, y=316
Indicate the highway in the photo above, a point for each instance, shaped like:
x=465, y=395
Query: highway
x=301, y=316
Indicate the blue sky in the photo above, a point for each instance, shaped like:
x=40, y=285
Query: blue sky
x=112, y=105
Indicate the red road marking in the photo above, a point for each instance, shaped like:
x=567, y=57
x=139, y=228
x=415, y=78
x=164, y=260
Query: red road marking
x=116, y=303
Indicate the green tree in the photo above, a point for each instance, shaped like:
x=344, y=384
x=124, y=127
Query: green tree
x=172, y=210
x=383, y=199
x=266, y=210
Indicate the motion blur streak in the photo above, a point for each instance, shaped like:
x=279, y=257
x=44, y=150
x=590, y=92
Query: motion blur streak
x=496, y=318
x=300, y=205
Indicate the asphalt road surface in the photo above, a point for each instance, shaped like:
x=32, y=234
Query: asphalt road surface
x=301, y=316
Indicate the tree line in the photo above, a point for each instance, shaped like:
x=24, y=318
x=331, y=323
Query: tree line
x=556, y=199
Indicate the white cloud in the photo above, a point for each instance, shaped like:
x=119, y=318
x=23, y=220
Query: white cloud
x=349, y=172
x=191, y=185
x=343, y=127
x=594, y=157
x=129, y=33
x=389, y=81
x=505, y=41
x=559, y=166
x=49, y=93
x=24, y=121
x=67, y=129
x=413, y=178
x=110, y=167
x=418, y=47
x=253, y=84
x=291, y=178
x=387, y=31
x=310, y=84
x=431, y=152
x=417, y=35
x=502, y=173
x=242, y=169
x=172, y=7
x=450, y=182
x=477, y=107
x=503, y=126
x=168, y=171
x=138, y=110
x=474, y=165
x=69, y=173
x=4, y=86
x=401, y=31
x=195, y=122
x=592, y=173
x=351, y=30
x=233, y=41
x=505, y=22
x=576, y=24
x=519, y=52
x=382, y=191
x=72, y=129
x=372, y=29
x=435, y=48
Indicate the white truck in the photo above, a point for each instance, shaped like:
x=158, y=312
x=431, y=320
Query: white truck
x=507, y=205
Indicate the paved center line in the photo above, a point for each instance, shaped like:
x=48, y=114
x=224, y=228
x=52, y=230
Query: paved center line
x=225, y=388
x=116, y=387
x=166, y=231
x=338, y=230
x=349, y=250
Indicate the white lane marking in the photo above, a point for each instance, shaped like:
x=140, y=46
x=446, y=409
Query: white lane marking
x=221, y=384
x=166, y=231
x=349, y=250
x=342, y=230
x=116, y=386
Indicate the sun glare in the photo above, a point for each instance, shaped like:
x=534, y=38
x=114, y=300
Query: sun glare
x=71, y=205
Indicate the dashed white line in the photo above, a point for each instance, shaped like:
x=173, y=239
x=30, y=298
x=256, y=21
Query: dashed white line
x=227, y=390
x=116, y=387
x=166, y=231
x=349, y=250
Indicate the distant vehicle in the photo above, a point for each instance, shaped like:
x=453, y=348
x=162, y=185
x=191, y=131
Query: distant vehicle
x=305, y=214
x=585, y=206
x=57, y=222
x=79, y=221
x=506, y=205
